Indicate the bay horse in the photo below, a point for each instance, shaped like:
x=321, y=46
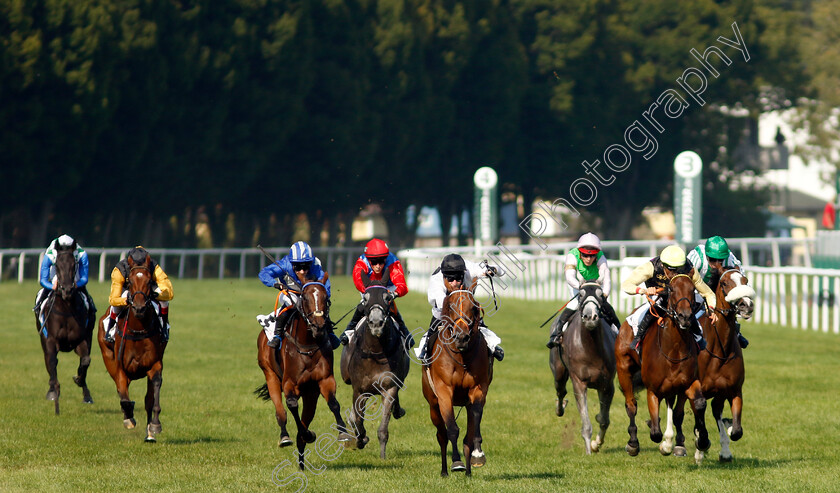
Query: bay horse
x=137, y=350
x=66, y=327
x=375, y=361
x=668, y=369
x=301, y=368
x=722, y=363
x=460, y=375
x=587, y=356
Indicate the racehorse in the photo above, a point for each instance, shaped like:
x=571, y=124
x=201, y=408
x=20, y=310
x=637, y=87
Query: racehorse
x=375, y=361
x=668, y=370
x=460, y=375
x=722, y=363
x=587, y=355
x=302, y=368
x=137, y=350
x=66, y=327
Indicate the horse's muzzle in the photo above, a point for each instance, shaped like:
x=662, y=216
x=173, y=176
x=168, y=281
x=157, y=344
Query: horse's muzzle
x=745, y=308
x=462, y=342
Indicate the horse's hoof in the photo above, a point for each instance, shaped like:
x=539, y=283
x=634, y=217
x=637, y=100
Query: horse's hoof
x=129, y=423
x=360, y=444
x=656, y=437
x=154, y=428
x=680, y=451
x=458, y=466
x=561, y=408
x=735, y=435
x=633, y=451
x=308, y=436
x=724, y=460
x=87, y=400
x=698, y=457
x=285, y=441
x=399, y=412
x=594, y=446
x=344, y=437
x=51, y=395
x=665, y=449
x=478, y=458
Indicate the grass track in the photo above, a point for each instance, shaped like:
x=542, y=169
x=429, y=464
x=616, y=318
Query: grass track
x=217, y=436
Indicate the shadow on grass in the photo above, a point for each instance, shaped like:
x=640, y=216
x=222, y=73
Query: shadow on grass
x=193, y=441
x=362, y=467
x=530, y=475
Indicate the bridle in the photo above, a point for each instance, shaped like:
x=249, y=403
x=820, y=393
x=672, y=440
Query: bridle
x=145, y=293
x=672, y=311
x=325, y=312
x=471, y=323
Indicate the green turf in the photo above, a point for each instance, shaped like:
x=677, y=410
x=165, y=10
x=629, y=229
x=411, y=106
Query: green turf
x=218, y=436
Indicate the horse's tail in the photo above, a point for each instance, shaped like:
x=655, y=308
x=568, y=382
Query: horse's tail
x=262, y=392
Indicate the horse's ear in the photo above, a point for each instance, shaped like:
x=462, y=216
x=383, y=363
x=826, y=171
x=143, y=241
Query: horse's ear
x=326, y=277
x=365, y=279
x=366, y=297
x=130, y=261
x=386, y=276
x=148, y=260
x=473, y=284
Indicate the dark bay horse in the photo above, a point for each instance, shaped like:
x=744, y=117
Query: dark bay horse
x=722, y=363
x=587, y=355
x=66, y=327
x=460, y=375
x=302, y=368
x=137, y=350
x=668, y=370
x=375, y=361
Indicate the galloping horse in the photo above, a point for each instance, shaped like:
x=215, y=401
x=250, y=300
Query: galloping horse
x=65, y=327
x=302, y=368
x=137, y=350
x=722, y=363
x=668, y=370
x=460, y=375
x=375, y=361
x=587, y=355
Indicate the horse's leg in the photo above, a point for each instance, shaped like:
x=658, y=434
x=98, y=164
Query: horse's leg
x=389, y=404
x=275, y=391
x=653, y=409
x=358, y=417
x=583, y=409
x=83, y=350
x=437, y=420
x=476, y=454
x=126, y=404
x=624, y=365
x=310, y=402
x=737, y=402
x=561, y=376
x=605, y=397
x=50, y=348
x=717, y=412
x=292, y=400
x=452, y=430
x=698, y=406
x=327, y=387
x=154, y=381
x=677, y=417
x=667, y=445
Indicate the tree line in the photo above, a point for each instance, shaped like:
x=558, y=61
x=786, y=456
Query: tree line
x=127, y=121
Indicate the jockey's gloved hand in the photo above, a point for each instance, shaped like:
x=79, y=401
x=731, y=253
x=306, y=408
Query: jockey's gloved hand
x=492, y=271
x=277, y=285
x=154, y=294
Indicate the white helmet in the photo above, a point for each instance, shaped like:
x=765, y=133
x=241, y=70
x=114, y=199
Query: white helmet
x=589, y=242
x=65, y=241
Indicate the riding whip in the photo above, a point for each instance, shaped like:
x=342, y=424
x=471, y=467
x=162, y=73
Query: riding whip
x=555, y=314
x=273, y=261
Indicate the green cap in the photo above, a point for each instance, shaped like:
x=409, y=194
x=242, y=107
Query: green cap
x=717, y=248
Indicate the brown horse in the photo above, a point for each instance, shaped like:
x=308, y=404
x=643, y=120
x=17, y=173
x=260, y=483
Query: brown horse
x=459, y=375
x=375, y=361
x=722, y=363
x=137, y=350
x=587, y=355
x=65, y=328
x=302, y=368
x=668, y=369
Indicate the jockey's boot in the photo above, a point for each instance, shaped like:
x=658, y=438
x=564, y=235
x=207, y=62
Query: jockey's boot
x=280, y=327
x=644, y=323
x=164, y=315
x=330, y=328
x=499, y=353
x=431, y=337
x=556, y=336
x=697, y=332
x=609, y=315
x=42, y=295
x=351, y=325
x=404, y=333
x=109, y=323
x=91, y=315
x=742, y=341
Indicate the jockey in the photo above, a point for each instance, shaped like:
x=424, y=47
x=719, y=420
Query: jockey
x=291, y=272
x=162, y=292
x=456, y=273
x=656, y=274
x=47, y=278
x=374, y=261
x=710, y=260
x=586, y=263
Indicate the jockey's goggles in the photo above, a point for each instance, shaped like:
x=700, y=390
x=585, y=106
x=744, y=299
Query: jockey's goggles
x=454, y=277
x=301, y=266
x=377, y=260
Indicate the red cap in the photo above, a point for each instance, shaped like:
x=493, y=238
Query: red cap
x=589, y=251
x=376, y=248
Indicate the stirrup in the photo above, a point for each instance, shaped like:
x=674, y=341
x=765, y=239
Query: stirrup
x=275, y=342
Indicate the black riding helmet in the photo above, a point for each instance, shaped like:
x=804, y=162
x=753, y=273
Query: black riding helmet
x=138, y=254
x=453, y=265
